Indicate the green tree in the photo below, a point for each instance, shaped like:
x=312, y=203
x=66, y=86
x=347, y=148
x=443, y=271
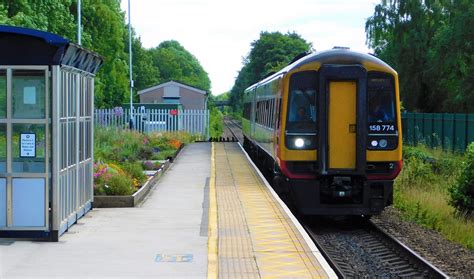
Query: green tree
x=145, y=73
x=46, y=15
x=430, y=46
x=105, y=32
x=174, y=62
x=104, y=22
x=270, y=53
x=451, y=59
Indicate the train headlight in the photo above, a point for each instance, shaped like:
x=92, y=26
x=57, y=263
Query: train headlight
x=299, y=142
x=382, y=142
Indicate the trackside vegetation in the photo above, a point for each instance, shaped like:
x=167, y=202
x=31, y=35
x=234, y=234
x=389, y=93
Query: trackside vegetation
x=424, y=191
x=216, y=123
x=462, y=191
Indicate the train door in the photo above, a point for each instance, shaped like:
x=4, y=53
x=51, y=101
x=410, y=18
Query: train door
x=342, y=146
x=253, y=116
x=342, y=123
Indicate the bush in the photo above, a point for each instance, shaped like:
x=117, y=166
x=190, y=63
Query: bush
x=462, y=191
x=135, y=171
x=111, y=179
x=416, y=172
x=119, y=185
x=216, y=123
x=410, y=152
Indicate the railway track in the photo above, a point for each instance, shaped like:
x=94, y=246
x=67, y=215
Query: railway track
x=358, y=248
x=232, y=129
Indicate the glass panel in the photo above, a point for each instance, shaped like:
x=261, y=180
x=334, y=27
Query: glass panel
x=302, y=102
x=64, y=145
x=3, y=202
x=81, y=141
x=72, y=95
x=72, y=143
x=88, y=139
x=90, y=81
x=83, y=96
x=28, y=94
x=3, y=147
x=3, y=93
x=28, y=201
x=381, y=99
x=28, y=146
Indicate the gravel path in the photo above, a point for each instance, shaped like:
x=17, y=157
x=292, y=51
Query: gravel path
x=451, y=258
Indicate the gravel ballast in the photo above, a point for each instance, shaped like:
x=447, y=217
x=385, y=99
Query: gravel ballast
x=453, y=259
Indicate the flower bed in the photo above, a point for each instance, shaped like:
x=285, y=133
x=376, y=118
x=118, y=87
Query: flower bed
x=122, y=156
x=135, y=198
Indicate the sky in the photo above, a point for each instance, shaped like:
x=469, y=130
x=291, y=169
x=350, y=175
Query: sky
x=219, y=33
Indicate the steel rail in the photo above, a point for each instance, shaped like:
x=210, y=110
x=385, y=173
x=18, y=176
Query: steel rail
x=387, y=255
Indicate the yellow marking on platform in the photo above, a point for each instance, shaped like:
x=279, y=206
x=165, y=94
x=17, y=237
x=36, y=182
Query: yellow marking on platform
x=255, y=235
x=212, y=256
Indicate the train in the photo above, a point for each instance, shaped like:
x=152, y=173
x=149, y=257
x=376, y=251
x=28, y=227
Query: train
x=327, y=129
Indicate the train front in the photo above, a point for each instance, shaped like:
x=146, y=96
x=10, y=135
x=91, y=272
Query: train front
x=340, y=146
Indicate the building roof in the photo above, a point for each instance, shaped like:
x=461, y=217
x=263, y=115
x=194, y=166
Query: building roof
x=25, y=46
x=172, y=82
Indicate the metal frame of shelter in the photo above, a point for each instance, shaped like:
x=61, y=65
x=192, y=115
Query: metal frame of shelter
x=46, y=132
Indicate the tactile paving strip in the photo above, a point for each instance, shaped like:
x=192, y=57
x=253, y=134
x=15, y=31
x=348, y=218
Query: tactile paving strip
x=235, y=254
x=256, y=238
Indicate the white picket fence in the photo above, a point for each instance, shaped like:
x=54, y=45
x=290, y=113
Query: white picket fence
x=195, y=122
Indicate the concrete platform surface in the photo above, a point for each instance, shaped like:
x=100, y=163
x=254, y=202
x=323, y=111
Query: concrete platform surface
x=165, y=237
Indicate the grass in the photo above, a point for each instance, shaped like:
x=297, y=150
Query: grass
x=421, y=193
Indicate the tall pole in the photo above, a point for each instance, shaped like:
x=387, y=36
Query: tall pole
x=130, y=62
x=79, y=29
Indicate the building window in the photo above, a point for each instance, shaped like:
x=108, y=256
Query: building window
x=171, y=100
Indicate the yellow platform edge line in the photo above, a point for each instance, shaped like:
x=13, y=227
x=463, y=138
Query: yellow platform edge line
x=315, y=251
x=212, y=249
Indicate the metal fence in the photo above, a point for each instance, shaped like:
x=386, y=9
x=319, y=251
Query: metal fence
x=451, y=131
x=195, y=122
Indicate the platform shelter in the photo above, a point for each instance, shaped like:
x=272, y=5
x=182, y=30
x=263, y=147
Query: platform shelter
x=46, y=132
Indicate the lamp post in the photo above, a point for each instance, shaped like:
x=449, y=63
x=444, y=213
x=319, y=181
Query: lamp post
x=130, y=62
x=79, y=29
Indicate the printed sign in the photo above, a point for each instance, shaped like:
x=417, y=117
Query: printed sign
x=29, y=95
x=27, y=145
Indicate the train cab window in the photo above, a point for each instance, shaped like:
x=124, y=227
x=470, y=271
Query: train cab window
x=301, y=118
x=302, y=102
x=382, y=128
x=381, y=99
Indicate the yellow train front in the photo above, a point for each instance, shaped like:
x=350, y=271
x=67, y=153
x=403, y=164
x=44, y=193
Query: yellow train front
x=328, y=129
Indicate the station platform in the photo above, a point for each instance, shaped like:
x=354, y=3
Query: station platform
x=257, y=236
x=211, y=215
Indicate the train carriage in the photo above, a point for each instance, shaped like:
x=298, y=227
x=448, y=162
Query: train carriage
x=328, y=127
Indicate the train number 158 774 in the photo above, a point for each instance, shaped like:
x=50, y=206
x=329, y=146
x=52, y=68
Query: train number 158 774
x=382, y=128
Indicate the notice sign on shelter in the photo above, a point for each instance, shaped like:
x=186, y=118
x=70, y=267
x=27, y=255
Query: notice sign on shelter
x=27, y=145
